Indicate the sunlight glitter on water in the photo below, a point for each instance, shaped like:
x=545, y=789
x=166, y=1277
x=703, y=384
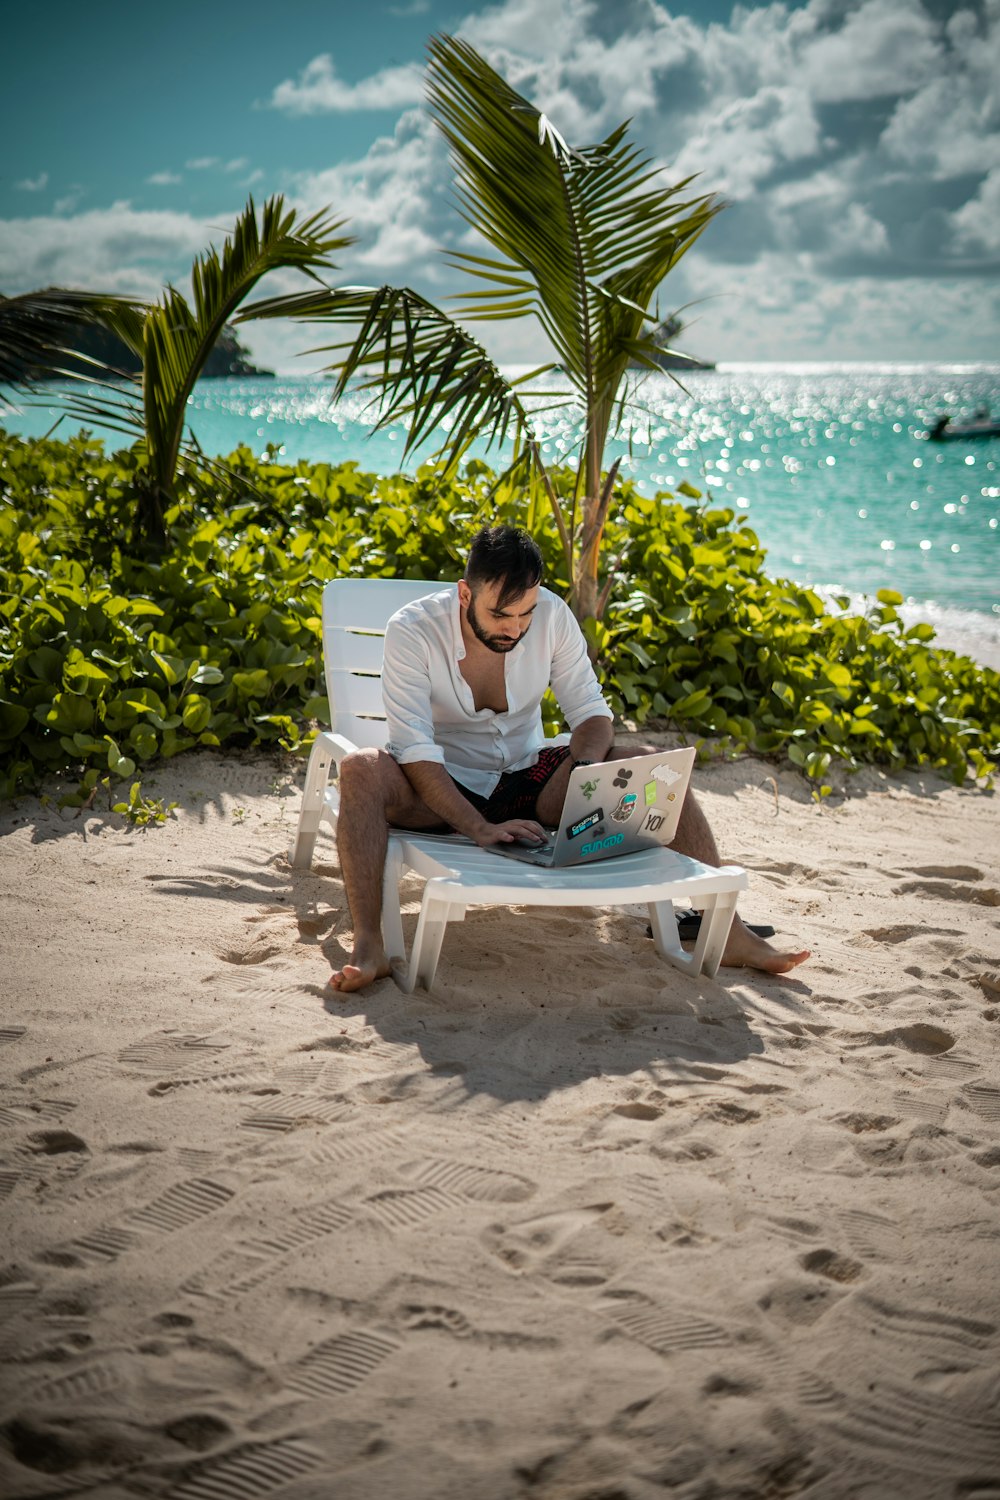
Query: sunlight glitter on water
x=829, y=464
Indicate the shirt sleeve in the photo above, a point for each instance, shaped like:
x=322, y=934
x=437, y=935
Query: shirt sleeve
x=406, y=695
x=572, y=677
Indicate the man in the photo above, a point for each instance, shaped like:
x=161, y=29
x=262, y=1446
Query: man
x=463, y=676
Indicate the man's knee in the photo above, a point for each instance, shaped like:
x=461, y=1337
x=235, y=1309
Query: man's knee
x=370, y=773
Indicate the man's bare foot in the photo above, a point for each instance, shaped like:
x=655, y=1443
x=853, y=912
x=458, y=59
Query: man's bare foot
x=366, y=965
x=744, y=950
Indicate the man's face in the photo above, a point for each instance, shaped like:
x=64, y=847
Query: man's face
x=499, y=629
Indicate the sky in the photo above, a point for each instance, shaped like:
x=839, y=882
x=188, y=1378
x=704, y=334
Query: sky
x=856, y=143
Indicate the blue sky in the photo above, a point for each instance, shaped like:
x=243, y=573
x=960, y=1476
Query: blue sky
x=857, y=142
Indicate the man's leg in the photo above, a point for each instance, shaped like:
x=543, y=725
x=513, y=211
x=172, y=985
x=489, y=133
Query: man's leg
x=744, y=949
x=693, y=837
x=373, y=793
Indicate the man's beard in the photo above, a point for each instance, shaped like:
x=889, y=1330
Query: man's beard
x=498, y=643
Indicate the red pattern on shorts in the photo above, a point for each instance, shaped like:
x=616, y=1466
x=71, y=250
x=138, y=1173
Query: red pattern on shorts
x=516, y=793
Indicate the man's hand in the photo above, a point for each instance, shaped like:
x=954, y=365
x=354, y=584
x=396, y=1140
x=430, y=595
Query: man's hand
x=515, y=830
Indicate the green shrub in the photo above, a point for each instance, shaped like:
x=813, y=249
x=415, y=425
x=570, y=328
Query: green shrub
x=108, y=661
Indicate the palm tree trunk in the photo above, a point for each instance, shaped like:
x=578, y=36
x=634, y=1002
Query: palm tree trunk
x=149, y=532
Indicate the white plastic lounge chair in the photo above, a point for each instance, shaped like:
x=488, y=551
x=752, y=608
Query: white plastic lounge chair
x=458, y=873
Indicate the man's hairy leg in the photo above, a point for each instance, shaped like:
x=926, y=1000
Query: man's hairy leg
x=744, y=949
x=694, y=837
x=373, y=793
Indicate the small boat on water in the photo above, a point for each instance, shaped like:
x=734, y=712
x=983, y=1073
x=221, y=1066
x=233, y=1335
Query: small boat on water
x=982, y=425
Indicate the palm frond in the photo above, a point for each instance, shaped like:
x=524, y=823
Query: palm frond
x=40, y=334
x=423, y=366
x=178, y=337
x=584, y=236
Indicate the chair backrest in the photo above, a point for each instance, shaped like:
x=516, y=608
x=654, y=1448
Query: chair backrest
x=355, y=614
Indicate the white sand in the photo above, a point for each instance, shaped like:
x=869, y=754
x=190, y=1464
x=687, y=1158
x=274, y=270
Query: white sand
x=572, y=1227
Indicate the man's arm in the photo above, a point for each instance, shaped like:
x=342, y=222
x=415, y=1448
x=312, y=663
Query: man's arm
x=437, y=791
x=592, y=739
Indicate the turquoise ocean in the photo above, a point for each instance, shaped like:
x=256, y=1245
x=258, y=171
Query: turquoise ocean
x=829, y=463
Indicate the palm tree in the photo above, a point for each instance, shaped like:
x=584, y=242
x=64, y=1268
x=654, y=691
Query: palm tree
x=583, y=239
x=173, y=338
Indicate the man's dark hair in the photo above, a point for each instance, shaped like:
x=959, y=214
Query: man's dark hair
x=506, y=555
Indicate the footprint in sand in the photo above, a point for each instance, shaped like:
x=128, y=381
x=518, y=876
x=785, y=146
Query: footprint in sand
x=984, y=1098
x=175, y=1209
x=339, y=1364
x=832, y=1265
x=294, y=1111
x=948, y=872
x=56, y=1143
x=249, y=1470
x=800, y=1303
x=483, y=1184
x=526, y=1245
x=667, y=1330
x=921, y=1037
x=905, y=932
x=403, y=1208
x=167, y=1051
x=447, y=1319
x=946, y=890
x=198, y=1431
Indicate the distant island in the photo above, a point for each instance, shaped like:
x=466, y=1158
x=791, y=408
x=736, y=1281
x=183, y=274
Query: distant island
x=228, y=357
x=669, y=358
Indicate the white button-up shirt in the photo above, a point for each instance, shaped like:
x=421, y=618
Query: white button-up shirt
x=430, y=708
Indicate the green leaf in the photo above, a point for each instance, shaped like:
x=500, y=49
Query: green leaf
x=172, y=668
x=14, y=717
x=205, y=675
x=252, y=684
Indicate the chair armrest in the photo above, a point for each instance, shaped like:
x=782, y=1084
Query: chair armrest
x=336, y=744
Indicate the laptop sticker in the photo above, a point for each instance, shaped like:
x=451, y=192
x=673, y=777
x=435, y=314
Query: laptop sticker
x=585, y=824
x=649, y=793
x=623, y=776
x=625, y=808
x=654, y=822
x=589, y=788
x=598, y=844
x=666, y=775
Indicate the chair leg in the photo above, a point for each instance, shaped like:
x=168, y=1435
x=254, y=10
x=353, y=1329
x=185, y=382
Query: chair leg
x=664, y=925
x=392, y=922
x=716, y=921
x=311, y=813
x=434, y=918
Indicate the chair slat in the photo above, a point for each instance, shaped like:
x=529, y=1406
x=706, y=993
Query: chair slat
x=350, y=694
x=344, y=650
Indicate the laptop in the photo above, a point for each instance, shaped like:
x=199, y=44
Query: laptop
x=616, y=807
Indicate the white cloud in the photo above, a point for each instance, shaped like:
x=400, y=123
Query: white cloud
x=884, y=48
x=858, y=142
x=388, y=199
x=977, y=223
x=117, y=249
x=950, y=125
x=320, y=91
x=33, y=184
x=237, y=164
x=70, y=201
x=164, y=179
x=749, y=138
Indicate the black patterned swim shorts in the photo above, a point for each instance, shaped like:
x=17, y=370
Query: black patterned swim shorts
x=517, y=792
